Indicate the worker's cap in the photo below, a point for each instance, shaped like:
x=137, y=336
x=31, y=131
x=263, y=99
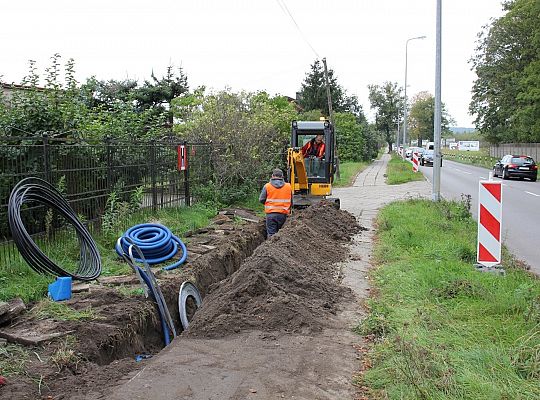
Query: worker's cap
x=277, y=173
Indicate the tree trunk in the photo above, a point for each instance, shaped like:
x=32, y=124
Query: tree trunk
x=389, y=140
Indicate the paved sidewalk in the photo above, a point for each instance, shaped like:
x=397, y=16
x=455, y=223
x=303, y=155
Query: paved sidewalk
x=364, y=200
x=370, y=192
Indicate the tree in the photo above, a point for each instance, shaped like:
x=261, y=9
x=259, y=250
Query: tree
x=506, y=92
x=313, y=93
x=387, y=102
x=422, y=118
x=249, y=131
x=158, y=94
x=108, y=93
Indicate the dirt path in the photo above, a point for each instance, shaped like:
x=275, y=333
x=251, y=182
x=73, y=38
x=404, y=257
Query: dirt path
x=261, y=364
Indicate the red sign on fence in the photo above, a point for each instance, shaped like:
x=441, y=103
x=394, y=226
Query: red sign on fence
x=489, y=223
x=182, y=158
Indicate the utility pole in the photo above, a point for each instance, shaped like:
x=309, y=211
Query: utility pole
x=397, y=136
x=329, y=98
x=405, y=138
x=436, y=193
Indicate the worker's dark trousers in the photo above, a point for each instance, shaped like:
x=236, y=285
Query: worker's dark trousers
x=274, y=222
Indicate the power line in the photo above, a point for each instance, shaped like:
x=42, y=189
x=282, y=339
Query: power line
x=285, y=9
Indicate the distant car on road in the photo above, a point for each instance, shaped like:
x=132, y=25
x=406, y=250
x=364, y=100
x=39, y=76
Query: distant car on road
x=411, y=150
x=427, y=158
x=511, y=166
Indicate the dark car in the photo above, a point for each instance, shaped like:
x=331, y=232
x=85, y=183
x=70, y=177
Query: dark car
x=511, y=166
x=427, y=157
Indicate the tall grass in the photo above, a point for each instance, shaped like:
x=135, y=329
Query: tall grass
x=400, y=171
x=479, y=158
x=443, y=330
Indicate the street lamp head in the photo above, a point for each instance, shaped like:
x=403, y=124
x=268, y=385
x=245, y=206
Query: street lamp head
x=414, y=38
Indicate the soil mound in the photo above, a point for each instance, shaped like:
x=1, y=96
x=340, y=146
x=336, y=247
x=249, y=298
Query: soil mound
x=290, y=283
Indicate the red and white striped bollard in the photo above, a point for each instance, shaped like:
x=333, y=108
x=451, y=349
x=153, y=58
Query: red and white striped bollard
x=415, y=162
x=489, y=223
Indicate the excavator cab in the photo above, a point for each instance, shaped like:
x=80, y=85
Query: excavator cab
x=311, y=173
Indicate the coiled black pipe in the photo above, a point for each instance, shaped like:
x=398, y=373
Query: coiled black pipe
x=38, y=190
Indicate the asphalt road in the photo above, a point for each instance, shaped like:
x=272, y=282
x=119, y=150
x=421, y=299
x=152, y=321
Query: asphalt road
x=521, y=206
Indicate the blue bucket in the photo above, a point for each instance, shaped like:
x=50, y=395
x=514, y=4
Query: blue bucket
x=61, y=289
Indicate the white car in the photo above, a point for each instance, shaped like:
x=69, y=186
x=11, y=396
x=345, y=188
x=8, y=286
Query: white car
x=410, y=150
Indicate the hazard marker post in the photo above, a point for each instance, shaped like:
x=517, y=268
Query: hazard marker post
x=415, y=162
x=182, y=157
x=489, y=224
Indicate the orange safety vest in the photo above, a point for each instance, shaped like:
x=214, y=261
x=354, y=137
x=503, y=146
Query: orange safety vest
x=278, y=200
x=311, y=146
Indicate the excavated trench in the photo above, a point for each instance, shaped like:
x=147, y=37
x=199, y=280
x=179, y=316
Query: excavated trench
x=132, y=325
x=287, y=283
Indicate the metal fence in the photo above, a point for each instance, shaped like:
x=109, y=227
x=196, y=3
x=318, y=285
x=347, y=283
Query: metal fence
x=529, y=149
x=91, y=175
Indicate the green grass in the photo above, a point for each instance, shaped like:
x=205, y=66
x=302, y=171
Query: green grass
x=13, y=359
x=441, y=329
x=348, y=172
x=61, y=312
x=479, y=158
x=18, y=280
x=400, y=171
x=251, y=202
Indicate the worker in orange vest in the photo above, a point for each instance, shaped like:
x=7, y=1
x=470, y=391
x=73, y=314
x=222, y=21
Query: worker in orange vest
x=276, y=196
x=314, y=148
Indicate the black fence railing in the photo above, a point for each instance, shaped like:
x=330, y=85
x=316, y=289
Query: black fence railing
x=95, y=177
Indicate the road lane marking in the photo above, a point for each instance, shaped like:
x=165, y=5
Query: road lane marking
x=534, y=194
x=465, y=172
x=483, y=177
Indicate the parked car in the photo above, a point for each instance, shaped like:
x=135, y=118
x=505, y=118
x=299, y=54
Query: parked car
x=511, y=166
x=411, y=150
x=408, y=152
x=427, y=158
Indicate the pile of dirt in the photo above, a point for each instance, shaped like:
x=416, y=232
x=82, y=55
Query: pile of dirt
x=290, y=283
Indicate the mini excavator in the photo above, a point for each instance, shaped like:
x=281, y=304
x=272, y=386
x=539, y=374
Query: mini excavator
x=311, y=177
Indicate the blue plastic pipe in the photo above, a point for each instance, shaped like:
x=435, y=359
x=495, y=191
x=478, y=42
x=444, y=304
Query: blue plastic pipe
x=164, y=326
x=157, y=243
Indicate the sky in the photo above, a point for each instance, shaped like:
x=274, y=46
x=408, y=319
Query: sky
x=251, y=45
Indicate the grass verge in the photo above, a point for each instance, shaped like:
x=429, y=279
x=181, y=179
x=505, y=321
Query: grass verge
x=18, y=280
x=400, y=171
x=479, y=158
x=442, y=330
x=348, y=172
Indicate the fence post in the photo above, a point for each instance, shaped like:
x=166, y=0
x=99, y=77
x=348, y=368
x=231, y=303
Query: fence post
x=46, y=158
x=108, y=149
x=187, y=195
x=153, y=174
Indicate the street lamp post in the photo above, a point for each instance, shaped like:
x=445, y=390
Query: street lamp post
x=405, y=111
x=437, y=160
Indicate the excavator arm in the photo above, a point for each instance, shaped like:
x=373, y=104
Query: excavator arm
x=297, y=171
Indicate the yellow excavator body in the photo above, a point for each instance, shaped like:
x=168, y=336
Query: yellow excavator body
x=311, y=175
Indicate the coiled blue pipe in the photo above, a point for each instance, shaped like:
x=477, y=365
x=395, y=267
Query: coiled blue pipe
x=157, y=243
